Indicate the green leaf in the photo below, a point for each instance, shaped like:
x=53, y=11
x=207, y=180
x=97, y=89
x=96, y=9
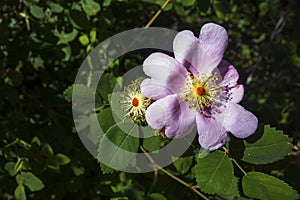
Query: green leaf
x=262, y=186
x=20, y=193
x=106, y=85
x=93, y=35
x=187, y=3
x=156, y=196
x=68, y=93
x=37, y=12
x=271, y=147
x=214, y=172
x=114, y=154
x=106, y=3
x=90, y=7
x=263, y=8
x=232, y=192
x=10, y=167
x=84, y=40
x=56, y=8
x=183, y=164
x=152, y=143
x=62, y=159
x=65, y=38
x=105, y=118
x=47, y=150
x=31, y=181
x=36, y=140
x=68, y=52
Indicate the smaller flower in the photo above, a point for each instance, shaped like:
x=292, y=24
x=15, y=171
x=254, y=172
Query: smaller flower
x=134, y=103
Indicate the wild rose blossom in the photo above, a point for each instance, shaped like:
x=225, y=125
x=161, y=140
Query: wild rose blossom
x=196, y=87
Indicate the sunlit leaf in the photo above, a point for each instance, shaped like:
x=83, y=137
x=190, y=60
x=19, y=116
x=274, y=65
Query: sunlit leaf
x=37, y=11
x=214, y=172
x=90, y=7
x=271, y=147
x=84, y=40
x=10, y=167
x=262, y=186
x=20, y=193
x=114, y=153
x=31, y=181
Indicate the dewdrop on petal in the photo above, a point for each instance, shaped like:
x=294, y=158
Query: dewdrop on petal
x=134, y=103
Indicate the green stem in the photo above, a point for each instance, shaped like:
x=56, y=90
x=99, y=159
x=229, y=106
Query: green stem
x=156, y=166
x=234, y=161
x=11, y=144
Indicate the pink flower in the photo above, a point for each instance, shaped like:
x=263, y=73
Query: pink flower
x=197, y=87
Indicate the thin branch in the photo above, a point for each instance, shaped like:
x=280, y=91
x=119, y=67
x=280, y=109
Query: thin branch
x=156, y=166
x=157, y=13
x=234, y=161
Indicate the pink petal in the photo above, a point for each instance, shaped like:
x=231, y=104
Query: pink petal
x=191, y=54
x=213, y=40
x=237, y=93
x=212, y=134
x=165, y=72
x=229, y=75
x=172, y=115
x=154, y=89
x=183, y=44
x=240, y=122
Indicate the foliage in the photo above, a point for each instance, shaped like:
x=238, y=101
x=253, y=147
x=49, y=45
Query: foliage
x=44, y=42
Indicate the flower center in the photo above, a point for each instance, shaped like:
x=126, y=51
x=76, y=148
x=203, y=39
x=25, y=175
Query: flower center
x=200, y=91
x=203, y=94
x=135, y=102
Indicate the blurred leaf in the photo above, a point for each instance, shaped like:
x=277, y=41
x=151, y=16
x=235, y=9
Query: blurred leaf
x=271, y=147
x=68, y=93
x=65, y=38
x=36, y=140
x=106, y=3
x=93, y=34
x=90, y=7
x=84, y=40
x=214, y=172
x=156, y=196
x=47, y=150
x=68, y=52
x=37, y=11
x=10, y=167
x=55, y=7
x=187, y=3
x=262, y=186
x=31, y=181
x=20, y=193
x=263, y=8
x=62, y=159
x=183, y=164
